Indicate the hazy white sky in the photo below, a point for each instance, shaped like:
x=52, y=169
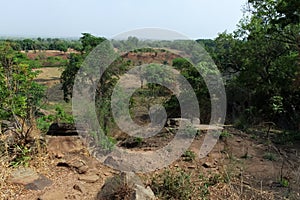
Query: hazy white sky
x=69, y=18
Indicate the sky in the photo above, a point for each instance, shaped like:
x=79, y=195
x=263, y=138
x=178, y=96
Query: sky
x=69, y=18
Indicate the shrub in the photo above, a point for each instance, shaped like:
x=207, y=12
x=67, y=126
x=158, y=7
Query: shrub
x=43, y=123
x=270, y=156
x=173, y=185
x=189, y=156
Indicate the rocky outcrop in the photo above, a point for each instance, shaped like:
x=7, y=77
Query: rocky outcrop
x=126, y=186
x=62, y=129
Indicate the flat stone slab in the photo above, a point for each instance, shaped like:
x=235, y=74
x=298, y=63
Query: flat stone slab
x=23, y=176
x=39, y=184
x=30, y=179
x=61, y=145
x=89, y=178
x=53, y=195
x=130, y=182
x=205, y=127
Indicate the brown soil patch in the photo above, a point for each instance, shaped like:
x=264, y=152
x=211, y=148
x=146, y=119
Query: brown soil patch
x=48, y=53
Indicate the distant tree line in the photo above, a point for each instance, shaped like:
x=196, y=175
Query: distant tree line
x=40, y=44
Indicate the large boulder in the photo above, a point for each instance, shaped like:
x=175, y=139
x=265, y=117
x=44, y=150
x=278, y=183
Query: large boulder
x=62, y=129
x=127, y=186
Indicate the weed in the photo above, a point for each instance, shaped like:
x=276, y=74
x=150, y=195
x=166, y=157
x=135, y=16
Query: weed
x=270, y=156
x=138, y=140
x=206, y=182
x=225, y=134
x=43, y=123
x=287, y=137
x=22, y=156
x=189, y=156
x=173, y=185
x=190, y=131
x=284, y=182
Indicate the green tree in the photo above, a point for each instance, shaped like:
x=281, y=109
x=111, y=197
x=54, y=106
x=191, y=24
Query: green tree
x=19, y=94
x=260, y=61
x=105, y=85
x=89, y=41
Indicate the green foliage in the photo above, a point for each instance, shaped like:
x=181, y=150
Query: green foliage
x=181, y=63
x=138, y=140
x=207, y=181
x=68, y=75
x=173, y=185
x=44, y=122
x=270, y=156
x=22, y=156
x=284, y=182
x=260, y=62
x=287, y=137
x=225, y=134
x=41, y=44
x=155, y=74
x=89, y=41
x=54, y=61
x=189, y=156
x=192, y=75
x=20, y=95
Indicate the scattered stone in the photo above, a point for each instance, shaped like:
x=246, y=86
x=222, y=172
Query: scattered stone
x=43, y=112
x=192, y=166
x=177, y=122
x=128, y=184
x=246, y=183
x=131, y=142
x=106, y=174
x=79, y=187
x=208, y=165
x=76, y=164
x=52, y=195
x=30, y=179
x=73, y=197
x=79, y=166
x=238, y=140
x=89, y=178
x=39, y=184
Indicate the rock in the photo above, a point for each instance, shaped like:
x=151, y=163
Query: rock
x=89, y=178
x=23, y=176
x=53, y=195
x=192, y=166
x=62, y=145
x=79, y=187
x=178, y=121
x=131, y=142
x=78, y=165
x=30, y=179
x=106, y=174
x=39, y=184
x=195, y=121
x=112, y=162
x=43, y=112
x=208, y=165
x=127, y=185
x=238, y=140
x=65, y=129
